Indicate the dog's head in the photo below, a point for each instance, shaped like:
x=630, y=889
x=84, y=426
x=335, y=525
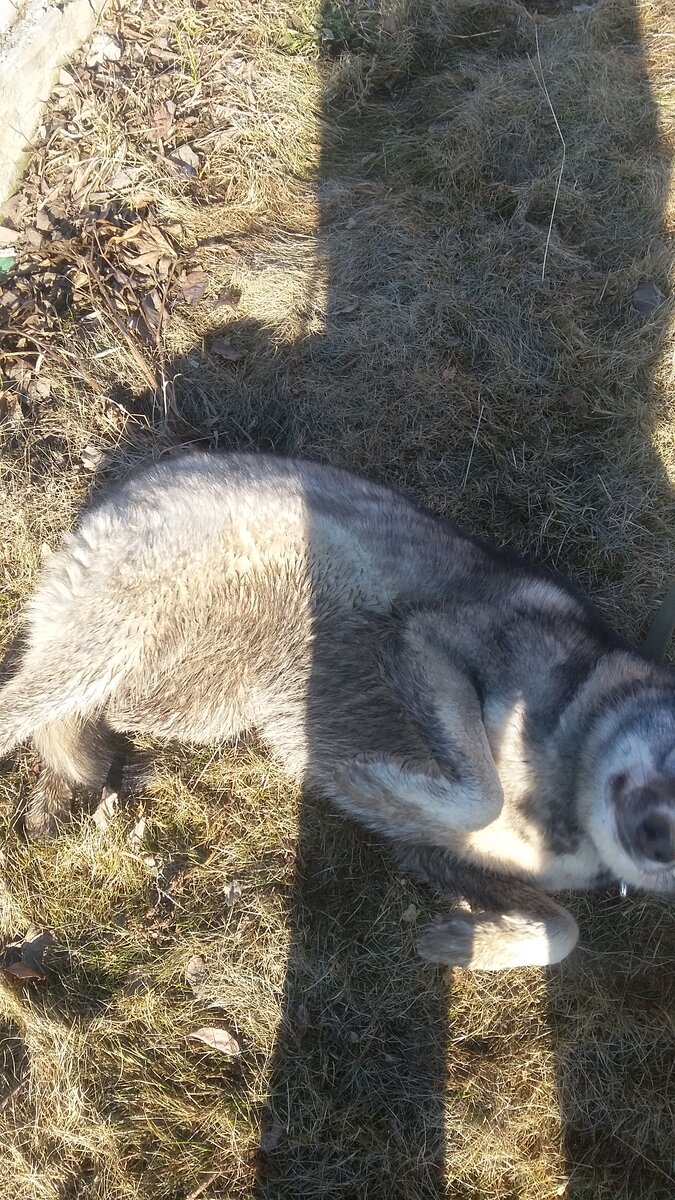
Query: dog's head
x=630, y=811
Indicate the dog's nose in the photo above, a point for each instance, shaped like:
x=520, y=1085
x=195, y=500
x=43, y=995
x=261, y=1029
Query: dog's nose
x=656, y=839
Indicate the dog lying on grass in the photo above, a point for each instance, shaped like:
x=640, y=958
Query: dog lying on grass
x=471, y=709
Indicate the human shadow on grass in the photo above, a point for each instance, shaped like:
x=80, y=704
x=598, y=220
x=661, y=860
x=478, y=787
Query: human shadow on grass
x=598, y=998
x=356, y=1093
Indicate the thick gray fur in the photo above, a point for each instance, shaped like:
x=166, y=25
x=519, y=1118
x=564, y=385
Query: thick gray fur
x=474, y=711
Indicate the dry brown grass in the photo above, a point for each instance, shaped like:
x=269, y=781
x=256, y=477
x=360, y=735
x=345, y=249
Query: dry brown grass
x=379, y=202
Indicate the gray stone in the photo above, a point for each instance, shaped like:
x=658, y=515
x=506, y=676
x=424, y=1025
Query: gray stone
x=35, y=41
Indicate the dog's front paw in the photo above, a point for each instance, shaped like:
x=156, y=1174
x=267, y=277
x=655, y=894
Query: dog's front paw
x=448, y=940
x=500, y=941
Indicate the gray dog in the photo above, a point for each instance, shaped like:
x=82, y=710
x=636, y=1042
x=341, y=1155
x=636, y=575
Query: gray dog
x=474, y=711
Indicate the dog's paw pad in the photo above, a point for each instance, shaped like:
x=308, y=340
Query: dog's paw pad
x=448, y=941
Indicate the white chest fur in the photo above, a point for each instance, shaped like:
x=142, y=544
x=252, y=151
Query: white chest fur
x=515, y=843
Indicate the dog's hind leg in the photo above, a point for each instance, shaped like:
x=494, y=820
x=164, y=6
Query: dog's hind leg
x=75, y=753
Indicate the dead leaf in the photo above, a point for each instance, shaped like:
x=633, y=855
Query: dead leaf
x=92, y=459
x=150, y=250
x=230, y=297
x=224, y=349
x=151, y=308
x=7, y=1100
x=136, y=836
x=20, y=971
x=130, y=234
x=106, y=809
x=218, y=1039
x=135, y=983
x=647, y=298
x=14, y=208
x=448, y=374
x=39, y=389
x=20, y=371
x=232, y=891
x=195, y=971
x=574, y=398
x=103, y=48
x=144, y=197
x=270, y=1139
x=80, y=279
x=162, y=120
x=184, y=160
x=24, y=957
x=148, y=261
x=123, y=178
x=236, y=65
x=11, y=412
x=43, y=221
x=409, y=915
x=160, y=51
x=8, y=236
x=193, y=285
